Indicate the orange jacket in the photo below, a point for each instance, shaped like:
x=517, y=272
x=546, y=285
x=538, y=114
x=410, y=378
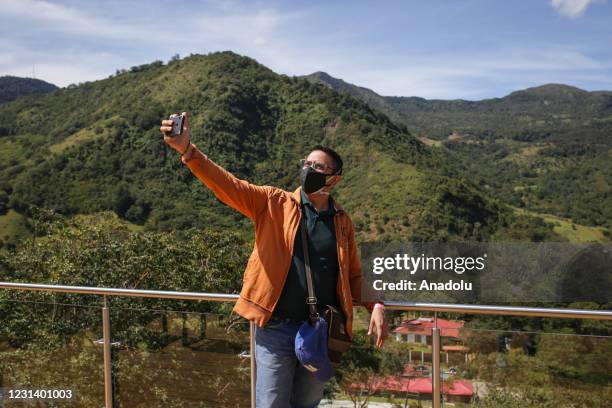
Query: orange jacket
x=276, y=215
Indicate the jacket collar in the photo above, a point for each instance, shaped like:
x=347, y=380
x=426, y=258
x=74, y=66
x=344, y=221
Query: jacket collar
x=298, y=198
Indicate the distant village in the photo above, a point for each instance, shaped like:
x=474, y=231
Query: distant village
x=415, y=381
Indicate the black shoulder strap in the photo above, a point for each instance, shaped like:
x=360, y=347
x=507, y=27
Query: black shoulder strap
x=311, y=300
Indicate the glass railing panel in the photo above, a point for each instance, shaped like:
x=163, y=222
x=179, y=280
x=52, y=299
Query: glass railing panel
x=50, y=351
x=397, y=375
x=537, y=369
x=179, y=359
x=191, y=354
x=480, y=366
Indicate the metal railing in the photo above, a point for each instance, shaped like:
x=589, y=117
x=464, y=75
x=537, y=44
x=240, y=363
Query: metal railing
x=222, y=297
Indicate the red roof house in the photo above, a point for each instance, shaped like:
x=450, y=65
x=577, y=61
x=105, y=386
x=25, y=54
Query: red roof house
x=423, y=326
x=421, y=385
x=460, y=387
x=458, y=390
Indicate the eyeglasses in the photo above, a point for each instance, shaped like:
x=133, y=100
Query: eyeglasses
x=318, y=166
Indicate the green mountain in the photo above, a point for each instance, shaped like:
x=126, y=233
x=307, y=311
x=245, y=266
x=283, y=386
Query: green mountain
x=545, y=149
x=368, y=96
x=97, y=146
x=13, y=87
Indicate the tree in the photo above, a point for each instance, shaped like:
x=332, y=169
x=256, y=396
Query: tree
x=100, y=251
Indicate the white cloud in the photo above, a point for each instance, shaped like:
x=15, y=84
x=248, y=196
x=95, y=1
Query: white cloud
x=92, y=46
x=61, y=73
x=59, y=69
x=56, y=18
x=244, y=28
x=538, y=58
x=68, y=44
x=573, y=8
x=468, y=76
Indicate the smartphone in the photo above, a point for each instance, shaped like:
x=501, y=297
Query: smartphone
x=177, y=124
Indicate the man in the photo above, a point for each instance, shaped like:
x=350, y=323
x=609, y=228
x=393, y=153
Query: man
x=274, y=290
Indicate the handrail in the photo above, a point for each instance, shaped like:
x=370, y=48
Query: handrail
x=503, y=310
x=224, y=297
x=89, y=290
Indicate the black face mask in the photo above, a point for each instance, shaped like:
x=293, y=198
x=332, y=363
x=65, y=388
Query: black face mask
x=312, y=180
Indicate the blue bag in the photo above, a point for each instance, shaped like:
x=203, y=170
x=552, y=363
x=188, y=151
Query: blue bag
x=311, y=348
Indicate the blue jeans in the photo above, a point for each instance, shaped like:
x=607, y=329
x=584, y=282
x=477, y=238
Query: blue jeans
x=282, y=381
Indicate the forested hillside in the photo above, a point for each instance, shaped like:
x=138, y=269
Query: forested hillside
x=13, y=87
x=545, y=149
x=97, y=146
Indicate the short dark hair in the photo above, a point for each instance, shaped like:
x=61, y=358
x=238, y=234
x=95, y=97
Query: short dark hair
x=334, y=155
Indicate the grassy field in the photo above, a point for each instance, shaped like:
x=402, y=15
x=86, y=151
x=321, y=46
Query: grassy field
x=98, y=130
x=566, y=228
x=430, y=142
x=13, y=227
x=9, y=148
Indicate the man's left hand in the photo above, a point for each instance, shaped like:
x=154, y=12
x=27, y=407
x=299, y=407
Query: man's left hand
x=379, y=324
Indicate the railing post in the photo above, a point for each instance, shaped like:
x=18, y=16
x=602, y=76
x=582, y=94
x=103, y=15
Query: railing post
x=435, y=364
x=253, y=362
x=108, y=385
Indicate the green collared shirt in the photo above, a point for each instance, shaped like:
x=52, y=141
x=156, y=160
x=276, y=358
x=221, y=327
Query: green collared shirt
x=323, y=264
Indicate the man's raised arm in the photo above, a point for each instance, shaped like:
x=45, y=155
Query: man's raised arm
x=239, y=194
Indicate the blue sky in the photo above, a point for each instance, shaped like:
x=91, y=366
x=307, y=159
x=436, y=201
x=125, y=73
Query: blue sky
x=470, y=49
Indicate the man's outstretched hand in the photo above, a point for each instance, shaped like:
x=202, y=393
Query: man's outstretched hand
x=179, y=142
x=379, y=324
